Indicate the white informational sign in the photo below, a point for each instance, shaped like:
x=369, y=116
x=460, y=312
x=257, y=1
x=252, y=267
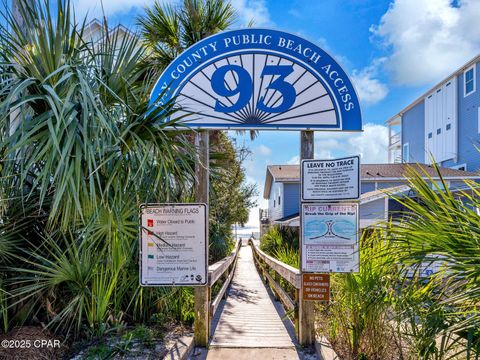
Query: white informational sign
x=330, y=237
x=173, y=245
x=258, y=79
x=331, y=180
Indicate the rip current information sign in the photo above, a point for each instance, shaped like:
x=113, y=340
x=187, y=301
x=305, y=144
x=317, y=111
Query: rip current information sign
x=173, y=245
x=330, y=237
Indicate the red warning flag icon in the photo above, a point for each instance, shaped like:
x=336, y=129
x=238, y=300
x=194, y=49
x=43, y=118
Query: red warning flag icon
x=150, y=222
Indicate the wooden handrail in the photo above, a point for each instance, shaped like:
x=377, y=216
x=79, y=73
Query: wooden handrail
x=289, y=273
x=216, y=271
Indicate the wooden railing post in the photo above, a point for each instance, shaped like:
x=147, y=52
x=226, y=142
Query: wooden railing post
x=202, y=293
x=297, y=310
x=306, y=316
x=276, y=277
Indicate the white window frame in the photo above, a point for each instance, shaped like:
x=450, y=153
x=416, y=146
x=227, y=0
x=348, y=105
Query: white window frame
x=478, y=119
x=457, y=167
x=406, y=145
x=473, y=67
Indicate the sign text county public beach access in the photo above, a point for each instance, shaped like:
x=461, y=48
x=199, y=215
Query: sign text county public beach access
x=259, y=79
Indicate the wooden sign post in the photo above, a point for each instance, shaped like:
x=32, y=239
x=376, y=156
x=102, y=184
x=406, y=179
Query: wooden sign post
x=306, y=309
x=202, y=293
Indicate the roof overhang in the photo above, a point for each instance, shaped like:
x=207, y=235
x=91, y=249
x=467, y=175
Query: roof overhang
x=268, y=184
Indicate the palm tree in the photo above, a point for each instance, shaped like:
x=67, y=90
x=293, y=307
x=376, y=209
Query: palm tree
x=169, y=30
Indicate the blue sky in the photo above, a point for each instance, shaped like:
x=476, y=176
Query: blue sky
x=394, y=50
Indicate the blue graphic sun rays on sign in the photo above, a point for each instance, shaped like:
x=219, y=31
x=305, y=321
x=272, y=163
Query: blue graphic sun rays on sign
x=259, y=79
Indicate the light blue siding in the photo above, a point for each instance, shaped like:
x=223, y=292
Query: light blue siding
x=367, y=186
x=389, y=184
x=373, y=210
x=275, y=211
x=291, y=195
x=468, y=135
x=457, y=185
x=413, y=130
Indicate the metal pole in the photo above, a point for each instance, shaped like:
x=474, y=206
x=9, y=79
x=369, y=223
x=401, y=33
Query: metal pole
x=306, y=314
x=202, y=293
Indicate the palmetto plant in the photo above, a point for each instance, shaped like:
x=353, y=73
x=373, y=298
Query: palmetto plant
x=80, y=115
x=356, y=320
x=80, y=150
x=441, y=226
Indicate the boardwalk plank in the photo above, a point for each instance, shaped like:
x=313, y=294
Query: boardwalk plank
x=249, y=317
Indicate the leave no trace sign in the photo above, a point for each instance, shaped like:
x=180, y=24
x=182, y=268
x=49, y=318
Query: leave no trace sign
x=316, y=287
x=335, y=179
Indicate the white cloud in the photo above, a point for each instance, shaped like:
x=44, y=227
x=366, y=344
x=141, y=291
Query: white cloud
x=94, y=7
x=371, y=144
x=294, y=160
x=264, y=150
x=249, y=10
x=370, y=90
x=428, y=38
x=323, y=153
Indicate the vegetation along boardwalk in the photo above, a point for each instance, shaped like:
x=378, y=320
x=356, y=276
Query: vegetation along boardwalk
x=250, y=318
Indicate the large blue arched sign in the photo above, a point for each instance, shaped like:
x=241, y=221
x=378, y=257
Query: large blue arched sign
x=259, y=79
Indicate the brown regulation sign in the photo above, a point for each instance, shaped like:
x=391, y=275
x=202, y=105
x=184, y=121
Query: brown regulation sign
x=316, y=287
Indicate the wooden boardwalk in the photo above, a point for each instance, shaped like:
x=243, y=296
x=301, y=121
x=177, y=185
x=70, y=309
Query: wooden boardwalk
x=250, y=317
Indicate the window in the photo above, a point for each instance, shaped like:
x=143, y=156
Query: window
x=430, y=135
x=449, y=126
x=279, y=200
x=273, y=202
x=469, y=81
x=439, y=131
x=462, y=167
x=406, y=153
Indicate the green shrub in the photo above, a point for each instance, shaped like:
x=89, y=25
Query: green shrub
x=288, y=255
x=271, y=240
